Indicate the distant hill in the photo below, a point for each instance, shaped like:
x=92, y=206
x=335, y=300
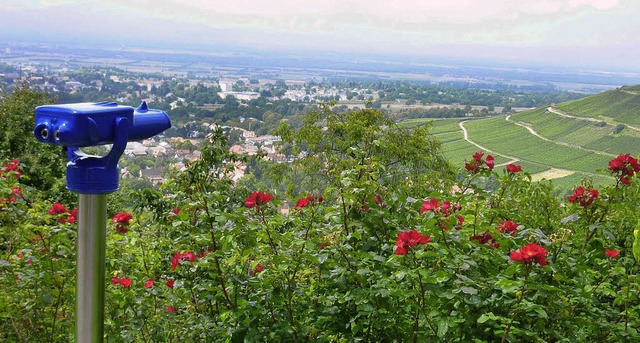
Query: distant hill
x=621, y=105
x=565, y=142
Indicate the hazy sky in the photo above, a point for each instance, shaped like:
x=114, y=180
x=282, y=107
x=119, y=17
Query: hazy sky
x=602, y=33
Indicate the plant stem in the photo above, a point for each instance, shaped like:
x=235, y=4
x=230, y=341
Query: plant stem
x=515, y=309
x=497, y=204
x=216, y=260
x=444, y=237
x=266, y=228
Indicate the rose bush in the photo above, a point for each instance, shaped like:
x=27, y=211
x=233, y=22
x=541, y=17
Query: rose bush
x=489, y=256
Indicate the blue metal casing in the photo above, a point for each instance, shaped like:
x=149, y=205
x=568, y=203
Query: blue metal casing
x=90, y=124
x=79, y=125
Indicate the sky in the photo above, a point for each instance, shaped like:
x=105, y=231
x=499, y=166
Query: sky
x=598, y=33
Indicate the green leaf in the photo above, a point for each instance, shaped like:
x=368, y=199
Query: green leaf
x=443, y=327
x=540, y=312
x=636, y=242
x=509, y=286
x=469, y=290
x=485, y=317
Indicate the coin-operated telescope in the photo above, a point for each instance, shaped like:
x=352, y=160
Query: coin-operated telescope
x=90, y=124
x=74, y=126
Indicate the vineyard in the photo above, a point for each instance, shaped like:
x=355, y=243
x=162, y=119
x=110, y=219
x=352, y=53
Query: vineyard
x=619, y=105
x=567, y=143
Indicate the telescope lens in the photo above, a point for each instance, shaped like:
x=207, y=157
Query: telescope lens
x=44, y=133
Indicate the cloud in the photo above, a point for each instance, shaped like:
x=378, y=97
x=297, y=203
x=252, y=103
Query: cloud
x=403, y=26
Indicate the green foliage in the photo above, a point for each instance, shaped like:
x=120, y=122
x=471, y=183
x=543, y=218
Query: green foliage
x=210, y=260
x=44, y=163
x=364, y=142
x=37, y=266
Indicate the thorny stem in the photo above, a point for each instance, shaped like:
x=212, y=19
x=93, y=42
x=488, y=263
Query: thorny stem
x=194, y=299
x=266, y=228
x=422, y=304
x=466, y=188
x=593, y=232
x=345, y=221
x=444, y=237
x=475, y=217
x=499, y=201
x=415, y=325
x=144, y=256
x=515, y=307
x=304, y=243
x=604, y=278
x=216, y=260
x=349, y=265
x=626, y=307
x=55, y=312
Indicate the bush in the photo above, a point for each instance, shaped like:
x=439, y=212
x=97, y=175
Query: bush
x=205, y=260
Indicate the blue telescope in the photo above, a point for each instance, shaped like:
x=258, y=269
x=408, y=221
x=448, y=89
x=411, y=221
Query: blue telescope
x=78, y=125
x=74, y=126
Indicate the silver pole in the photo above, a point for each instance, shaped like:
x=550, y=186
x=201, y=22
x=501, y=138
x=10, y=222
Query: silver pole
x=92, y=221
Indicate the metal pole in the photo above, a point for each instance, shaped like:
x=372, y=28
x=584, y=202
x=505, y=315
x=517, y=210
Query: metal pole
x=92, y=221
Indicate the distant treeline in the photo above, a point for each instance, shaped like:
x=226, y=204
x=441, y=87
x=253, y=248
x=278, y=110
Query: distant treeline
x=460, y=93
x=188, y=99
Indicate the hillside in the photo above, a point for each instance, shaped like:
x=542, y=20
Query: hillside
x=621, y=105
x=566, y=142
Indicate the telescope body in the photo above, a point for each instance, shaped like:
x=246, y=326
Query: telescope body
x=79, y=125
x=90, y=124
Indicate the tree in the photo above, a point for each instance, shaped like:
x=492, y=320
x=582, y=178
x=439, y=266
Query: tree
x=365, y=145
x=44, y=163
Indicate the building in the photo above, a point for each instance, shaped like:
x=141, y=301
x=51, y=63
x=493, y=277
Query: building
x=240, y=95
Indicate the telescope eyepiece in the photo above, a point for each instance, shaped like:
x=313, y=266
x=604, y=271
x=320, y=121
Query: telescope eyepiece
x=44, y=133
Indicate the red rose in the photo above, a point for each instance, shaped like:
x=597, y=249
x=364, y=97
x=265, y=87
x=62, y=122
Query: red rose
x=583, y=196
x=612, y=253
x=429, y=205
x=508, y=227
x=57, y=209
x=408, y=239
x=624, y=166
x=256, y=199
x=124, y=282
x=122, y=218
x=73, y=216
x=512, y=168
x=490, y=161
x=530, y=253
x=259, y=268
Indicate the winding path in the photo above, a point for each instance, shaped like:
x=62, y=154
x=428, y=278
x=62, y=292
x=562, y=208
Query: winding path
x=562, y=114
x=555, y=111
x=533, y=132
x=465, y=135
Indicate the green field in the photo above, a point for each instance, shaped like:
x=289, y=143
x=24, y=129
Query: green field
x=568, y=146
x=620, y=105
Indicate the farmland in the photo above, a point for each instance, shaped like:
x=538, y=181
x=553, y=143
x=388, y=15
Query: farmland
x=616, y=106
x=566, y=143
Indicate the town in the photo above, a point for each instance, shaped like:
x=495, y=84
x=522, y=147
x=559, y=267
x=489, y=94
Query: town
x=247, y=106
